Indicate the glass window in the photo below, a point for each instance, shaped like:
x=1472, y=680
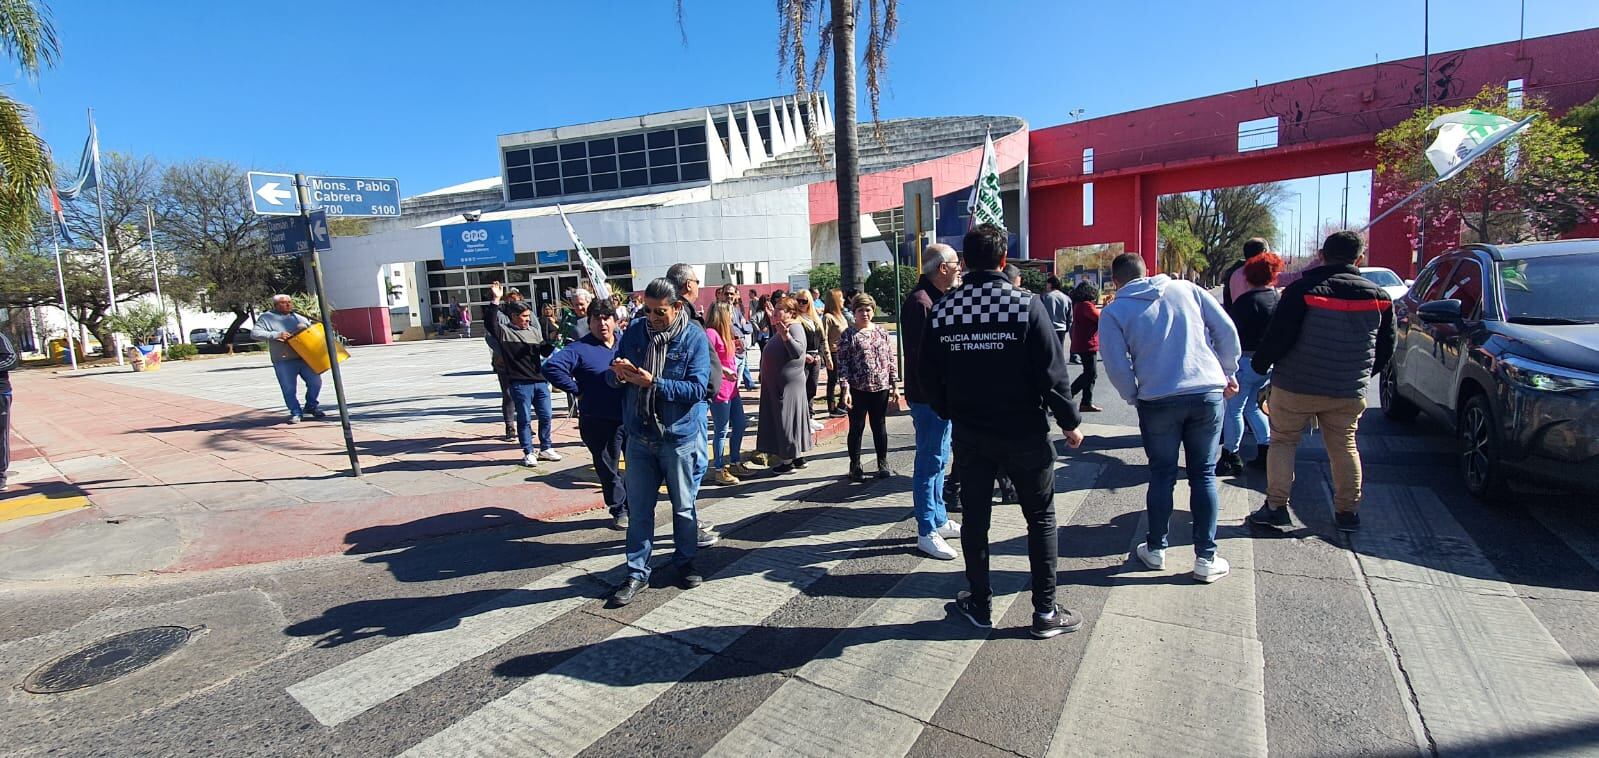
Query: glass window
x=1383, y=278
x=572, y=150
x=603, y=164
x=666, y=156
x=578, y=167
x=519, y=174
x=630, y=142
x=663, y=175
x=546, y=154
x=575, y=184
x=520, y=192
x=663, y=138
x=635, y=178
x=516, y=158
x=547, y=171
x=1465, y=285
x=691, y=153
x=1556, y=289
x=551, y=188
x=692, y=135
x=603, y=181
x=630, y=160
x=1435, y=290
x=605, y=146
x=694, y=172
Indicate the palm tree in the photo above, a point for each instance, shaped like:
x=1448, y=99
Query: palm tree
x=27, y=37
x=797, y=20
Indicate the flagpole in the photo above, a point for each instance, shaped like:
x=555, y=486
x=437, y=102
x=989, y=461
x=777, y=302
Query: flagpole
x=61, y=282
x=105, y=247
x=155, y=269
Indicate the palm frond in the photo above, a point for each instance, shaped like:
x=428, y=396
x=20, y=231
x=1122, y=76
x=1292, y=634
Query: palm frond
x=24, y=173
x=28, y=35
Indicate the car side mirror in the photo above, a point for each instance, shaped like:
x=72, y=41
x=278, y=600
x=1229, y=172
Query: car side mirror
x=1440, y=312
x=1410, y=282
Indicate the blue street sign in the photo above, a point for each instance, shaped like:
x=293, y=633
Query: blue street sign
x=320, y=238
x=273, y=194
x=552, y=257
x=287, y=236
x=354, y=195
x=477, y=243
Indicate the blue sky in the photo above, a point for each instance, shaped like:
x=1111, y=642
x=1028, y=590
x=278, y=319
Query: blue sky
x=418, y=90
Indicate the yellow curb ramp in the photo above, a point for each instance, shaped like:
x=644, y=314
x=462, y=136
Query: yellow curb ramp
x=40, y=504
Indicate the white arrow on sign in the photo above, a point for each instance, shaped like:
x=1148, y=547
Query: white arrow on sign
x=270, y=193
x=319, y=231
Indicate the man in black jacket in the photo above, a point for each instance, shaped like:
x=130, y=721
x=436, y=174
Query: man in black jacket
x=992, y=365
x=8, y=361
x=1331, y=331
x=940, y=273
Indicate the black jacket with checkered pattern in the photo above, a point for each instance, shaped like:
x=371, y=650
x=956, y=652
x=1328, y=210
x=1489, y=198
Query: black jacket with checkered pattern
x=991, y=361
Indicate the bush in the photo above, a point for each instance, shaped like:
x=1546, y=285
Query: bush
x=140, y=321
x=1034, y=281
x=825, y=278
x=182, y=351
x=880, y=285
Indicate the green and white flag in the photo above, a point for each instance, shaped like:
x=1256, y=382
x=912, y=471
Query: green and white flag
x=1463, y=136
x=590, y=266
x=984, y=204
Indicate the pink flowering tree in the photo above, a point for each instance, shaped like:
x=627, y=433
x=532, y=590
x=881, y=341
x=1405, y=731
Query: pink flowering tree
x=1538, y=185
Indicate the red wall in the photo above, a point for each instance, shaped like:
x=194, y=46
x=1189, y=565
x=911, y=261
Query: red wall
x=363, y=326
x=1327, y=125
x=883, y=190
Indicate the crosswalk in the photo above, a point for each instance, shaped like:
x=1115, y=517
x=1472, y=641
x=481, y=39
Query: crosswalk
x=1167, y=665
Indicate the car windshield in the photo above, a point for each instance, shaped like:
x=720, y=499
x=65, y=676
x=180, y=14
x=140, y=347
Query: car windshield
x=1554, y=290
x=1383, y=278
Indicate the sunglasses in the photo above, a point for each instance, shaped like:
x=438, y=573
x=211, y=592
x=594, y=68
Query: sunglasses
x=661, y=311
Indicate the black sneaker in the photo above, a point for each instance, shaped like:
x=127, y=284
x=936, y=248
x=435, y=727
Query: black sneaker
x=801, y=463
x=1268, y=516
x=857, y=475
x=317, y=413
x=1062, y=622
x=782, y=468
x=706, y=537
x=625, y=593
x=689, y=577
x=1347, y=521
x=883, y=470
x=1229, y=464
x=977, y=614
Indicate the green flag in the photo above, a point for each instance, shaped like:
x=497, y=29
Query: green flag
x=984, y=204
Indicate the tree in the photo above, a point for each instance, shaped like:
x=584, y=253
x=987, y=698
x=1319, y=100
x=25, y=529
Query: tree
x=142, y=322
x=1180, y=250
x=824, y=277
x=1585, y=119
x=1539, y=186
x=129, y=186
x=797, y=20
x=27, y=38
x=220, y=242
x=880, y=285
x=1221, y=220
x=1033, y=280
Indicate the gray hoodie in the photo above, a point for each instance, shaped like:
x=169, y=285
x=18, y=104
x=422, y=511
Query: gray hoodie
x=1162, y=337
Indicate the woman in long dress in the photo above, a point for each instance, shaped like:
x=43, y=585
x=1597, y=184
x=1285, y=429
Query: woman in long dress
x=784, y=431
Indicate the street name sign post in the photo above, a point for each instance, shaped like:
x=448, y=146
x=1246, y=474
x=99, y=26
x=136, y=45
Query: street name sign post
x=354, y=195
x=273, y=194
x=287, y=235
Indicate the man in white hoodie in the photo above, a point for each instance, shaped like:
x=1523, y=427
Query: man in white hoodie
x=1171, y=351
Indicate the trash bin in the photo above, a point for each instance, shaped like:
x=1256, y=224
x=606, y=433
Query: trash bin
x=312, y=345
x=58, y=350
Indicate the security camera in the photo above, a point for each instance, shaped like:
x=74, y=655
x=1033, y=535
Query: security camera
x=472, y=215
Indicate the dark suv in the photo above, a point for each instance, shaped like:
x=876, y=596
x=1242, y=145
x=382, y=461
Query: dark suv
x=1502, y=344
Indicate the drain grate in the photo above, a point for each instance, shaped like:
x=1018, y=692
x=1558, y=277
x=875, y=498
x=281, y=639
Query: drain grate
x=111, y=658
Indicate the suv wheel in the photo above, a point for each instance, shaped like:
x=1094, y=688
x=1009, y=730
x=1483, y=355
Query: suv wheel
x=1480, y=467
x=1394, y=406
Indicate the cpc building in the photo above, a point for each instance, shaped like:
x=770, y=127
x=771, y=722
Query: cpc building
x=745, y=192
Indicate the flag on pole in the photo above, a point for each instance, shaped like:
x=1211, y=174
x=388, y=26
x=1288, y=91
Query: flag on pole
x=1464, y=136
x=984, y=204
x=590, y=266
x=60, y=218
x=88, y=167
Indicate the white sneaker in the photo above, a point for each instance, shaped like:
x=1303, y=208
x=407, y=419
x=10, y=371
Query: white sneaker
x=530, y=460
x=1210, y=570
x=935, y=546
x=1155, y=559
x=816, y=426
x=549, y=455
x=950, y=530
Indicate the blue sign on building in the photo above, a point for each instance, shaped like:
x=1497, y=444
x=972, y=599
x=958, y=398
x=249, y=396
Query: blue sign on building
x=353, y=195
x=553, y=257
x=477, y=243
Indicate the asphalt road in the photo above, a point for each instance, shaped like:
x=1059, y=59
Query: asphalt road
x=1446, y=626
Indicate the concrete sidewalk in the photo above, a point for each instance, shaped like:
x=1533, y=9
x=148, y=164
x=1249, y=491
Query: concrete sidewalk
x=192, y=467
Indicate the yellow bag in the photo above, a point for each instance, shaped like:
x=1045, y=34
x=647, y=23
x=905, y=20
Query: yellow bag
x=312, y=346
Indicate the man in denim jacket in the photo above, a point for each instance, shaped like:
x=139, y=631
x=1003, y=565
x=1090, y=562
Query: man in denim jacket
x=663, y=365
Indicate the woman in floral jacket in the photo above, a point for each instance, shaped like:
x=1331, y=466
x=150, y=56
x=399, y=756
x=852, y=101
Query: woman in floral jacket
x=868, y=369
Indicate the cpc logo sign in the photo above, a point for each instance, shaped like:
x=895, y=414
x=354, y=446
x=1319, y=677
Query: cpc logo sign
x=475, y=235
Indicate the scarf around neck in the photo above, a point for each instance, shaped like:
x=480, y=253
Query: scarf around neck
x=655, y=363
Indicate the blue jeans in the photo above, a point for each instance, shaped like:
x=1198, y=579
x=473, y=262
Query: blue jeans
x=927, y=474
x=727, y=436
x=744, y=372
x=526, y=397
x=1245, y=406
x=1194, y=422
x=287, y=371
x=649, y=463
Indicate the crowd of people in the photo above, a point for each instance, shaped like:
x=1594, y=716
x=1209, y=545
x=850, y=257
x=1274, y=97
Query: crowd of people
x=987, y=380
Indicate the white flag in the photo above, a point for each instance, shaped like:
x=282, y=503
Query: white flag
x=984, y=204
x=1463, y=136
x=590, y=266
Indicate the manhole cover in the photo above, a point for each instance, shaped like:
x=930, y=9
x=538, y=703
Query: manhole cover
x=113, y=657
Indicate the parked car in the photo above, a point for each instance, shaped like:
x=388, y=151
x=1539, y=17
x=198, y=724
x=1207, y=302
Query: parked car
x=1387, y=280
x=205, y=336
x=1501, y=343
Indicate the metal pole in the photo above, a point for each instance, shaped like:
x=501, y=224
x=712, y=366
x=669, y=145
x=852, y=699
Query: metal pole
x=155, y=269
x=1345, y=223
x=61, y=283
x=1315, y=229
x=918, y=233
x=1426, y=100
x=105, y=247
x=332, y=338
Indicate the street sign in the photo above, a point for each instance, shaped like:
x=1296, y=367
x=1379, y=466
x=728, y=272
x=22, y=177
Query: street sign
x=477, y=243
x=273, y=194
x=919, y=194
x=287, y=236
x=353, y=195
x=553, y=257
